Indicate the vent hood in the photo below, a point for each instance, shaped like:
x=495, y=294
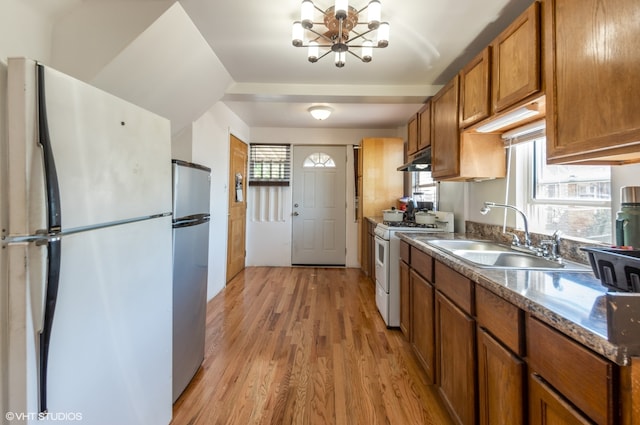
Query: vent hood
x=420, y=161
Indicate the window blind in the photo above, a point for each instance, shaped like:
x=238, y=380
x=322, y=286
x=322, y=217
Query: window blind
x=269, y=164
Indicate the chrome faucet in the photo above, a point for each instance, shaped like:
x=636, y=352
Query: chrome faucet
x=549, y=248
x=516, y=241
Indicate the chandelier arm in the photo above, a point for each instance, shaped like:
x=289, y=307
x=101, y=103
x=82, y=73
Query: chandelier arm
x=358, y=35
x=356, y=55
x=317, y=8
x=320, y=35
x=323, y=55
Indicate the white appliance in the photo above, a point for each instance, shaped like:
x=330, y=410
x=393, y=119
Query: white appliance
x=191, y=195
x=387, y=260
x=86, y=240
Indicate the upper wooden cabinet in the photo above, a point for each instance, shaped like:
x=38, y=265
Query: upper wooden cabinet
x=516, y=70
x=461, y=156
x=424, y=126
x=593, y=92
x=475, y=90
x=445, y=134
x=412, y=135
x=419, y=130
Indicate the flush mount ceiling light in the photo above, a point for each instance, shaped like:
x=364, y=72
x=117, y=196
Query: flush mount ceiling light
x=339, y=32
x=320, y=112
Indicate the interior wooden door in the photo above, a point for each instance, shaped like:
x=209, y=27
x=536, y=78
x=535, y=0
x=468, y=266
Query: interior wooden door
x=237, y=223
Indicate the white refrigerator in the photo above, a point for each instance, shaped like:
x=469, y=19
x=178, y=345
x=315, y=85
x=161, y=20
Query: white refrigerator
x=86, y=254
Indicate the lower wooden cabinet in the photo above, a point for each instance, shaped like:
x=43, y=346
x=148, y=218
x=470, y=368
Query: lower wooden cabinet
x=422, y=323
x=546, y=406
x=405, y=300
x=494, y=364
x=579, y=375
x=455, y=333
x=501, y=383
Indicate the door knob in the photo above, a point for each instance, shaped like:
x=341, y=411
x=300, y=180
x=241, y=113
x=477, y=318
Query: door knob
x=295, y=214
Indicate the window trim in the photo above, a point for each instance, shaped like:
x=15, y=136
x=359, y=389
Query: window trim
x=526, y=165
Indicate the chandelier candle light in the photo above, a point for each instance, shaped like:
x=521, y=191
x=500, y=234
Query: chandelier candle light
x=338, y=31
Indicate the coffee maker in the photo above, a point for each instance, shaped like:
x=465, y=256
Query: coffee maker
x=628, y=220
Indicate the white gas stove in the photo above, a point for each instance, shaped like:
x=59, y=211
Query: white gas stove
x=387, y=254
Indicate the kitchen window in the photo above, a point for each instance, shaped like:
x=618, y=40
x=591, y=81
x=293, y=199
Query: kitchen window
x=575, y=199
x=425, y=189
x=269, y=164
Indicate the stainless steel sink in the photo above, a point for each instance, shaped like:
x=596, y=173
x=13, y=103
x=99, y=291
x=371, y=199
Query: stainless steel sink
x=468, y=245
x=493, y=255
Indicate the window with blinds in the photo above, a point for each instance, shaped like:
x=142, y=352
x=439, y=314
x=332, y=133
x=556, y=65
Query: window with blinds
x=269, y=164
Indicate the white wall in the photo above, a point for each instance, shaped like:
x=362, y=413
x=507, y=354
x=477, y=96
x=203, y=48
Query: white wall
x=106, y=28
x=269, y=243
x=210, y=147
x=24, y=32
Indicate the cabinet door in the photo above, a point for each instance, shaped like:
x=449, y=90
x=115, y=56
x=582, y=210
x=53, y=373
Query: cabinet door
x=501, y=383
x=412, y=135
x=475, y=94
x=596, y=115
x=405, y=300
x=424, y=127
x=548, y=407
x=456, y=360
x=422, y=323
x=445, y=133
x=516, y=60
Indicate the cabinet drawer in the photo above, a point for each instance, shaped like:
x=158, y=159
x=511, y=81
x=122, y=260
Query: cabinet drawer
x=423, y=264
x=405, y=252
x=455, y=286
x=581, y=376
x=502, y=319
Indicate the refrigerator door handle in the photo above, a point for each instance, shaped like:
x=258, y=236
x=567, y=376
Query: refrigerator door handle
x=54, y=226
x=51, y=295
x=191, y=220
x=51, y=177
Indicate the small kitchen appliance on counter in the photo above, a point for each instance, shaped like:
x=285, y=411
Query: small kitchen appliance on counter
x=387, y=257
x=628, y=221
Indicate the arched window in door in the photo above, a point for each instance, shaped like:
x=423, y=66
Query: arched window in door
x=319, y=160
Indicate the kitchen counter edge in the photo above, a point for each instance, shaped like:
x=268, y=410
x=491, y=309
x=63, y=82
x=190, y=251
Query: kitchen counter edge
x=590, y=336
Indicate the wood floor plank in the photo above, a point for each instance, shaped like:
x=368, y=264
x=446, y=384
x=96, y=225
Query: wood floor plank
x=305, y=346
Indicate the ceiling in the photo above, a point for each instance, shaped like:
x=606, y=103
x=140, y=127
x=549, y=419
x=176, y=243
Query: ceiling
x=273, y=84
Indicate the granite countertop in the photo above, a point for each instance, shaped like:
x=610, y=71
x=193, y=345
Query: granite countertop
x=571, y=302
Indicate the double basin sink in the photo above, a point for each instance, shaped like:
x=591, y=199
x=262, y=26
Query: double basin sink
x=487, y=254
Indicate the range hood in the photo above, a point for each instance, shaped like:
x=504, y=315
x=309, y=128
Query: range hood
x=420, y=161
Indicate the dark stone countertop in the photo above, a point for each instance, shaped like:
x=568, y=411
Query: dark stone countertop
x=571, y=302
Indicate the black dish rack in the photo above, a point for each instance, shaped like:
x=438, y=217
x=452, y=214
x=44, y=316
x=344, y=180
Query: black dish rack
x=618, y=269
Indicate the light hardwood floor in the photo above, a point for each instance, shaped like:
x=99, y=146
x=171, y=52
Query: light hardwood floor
x=305, y=346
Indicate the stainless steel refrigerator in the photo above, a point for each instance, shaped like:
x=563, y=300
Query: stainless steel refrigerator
x=86, y=242
x=191, y=195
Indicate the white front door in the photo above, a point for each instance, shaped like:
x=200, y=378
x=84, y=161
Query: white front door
x=319, y=205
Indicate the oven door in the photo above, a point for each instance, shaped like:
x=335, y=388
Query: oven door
x=382, y=263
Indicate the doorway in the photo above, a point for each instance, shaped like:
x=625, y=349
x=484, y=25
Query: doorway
x=237, y=223
x=319, y=205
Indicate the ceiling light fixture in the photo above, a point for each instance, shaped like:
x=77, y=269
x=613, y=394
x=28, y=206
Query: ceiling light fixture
x=509, y=118
x=338, y=31
x=320, y=112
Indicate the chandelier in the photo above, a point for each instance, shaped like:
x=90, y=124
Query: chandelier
x=339, y=32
